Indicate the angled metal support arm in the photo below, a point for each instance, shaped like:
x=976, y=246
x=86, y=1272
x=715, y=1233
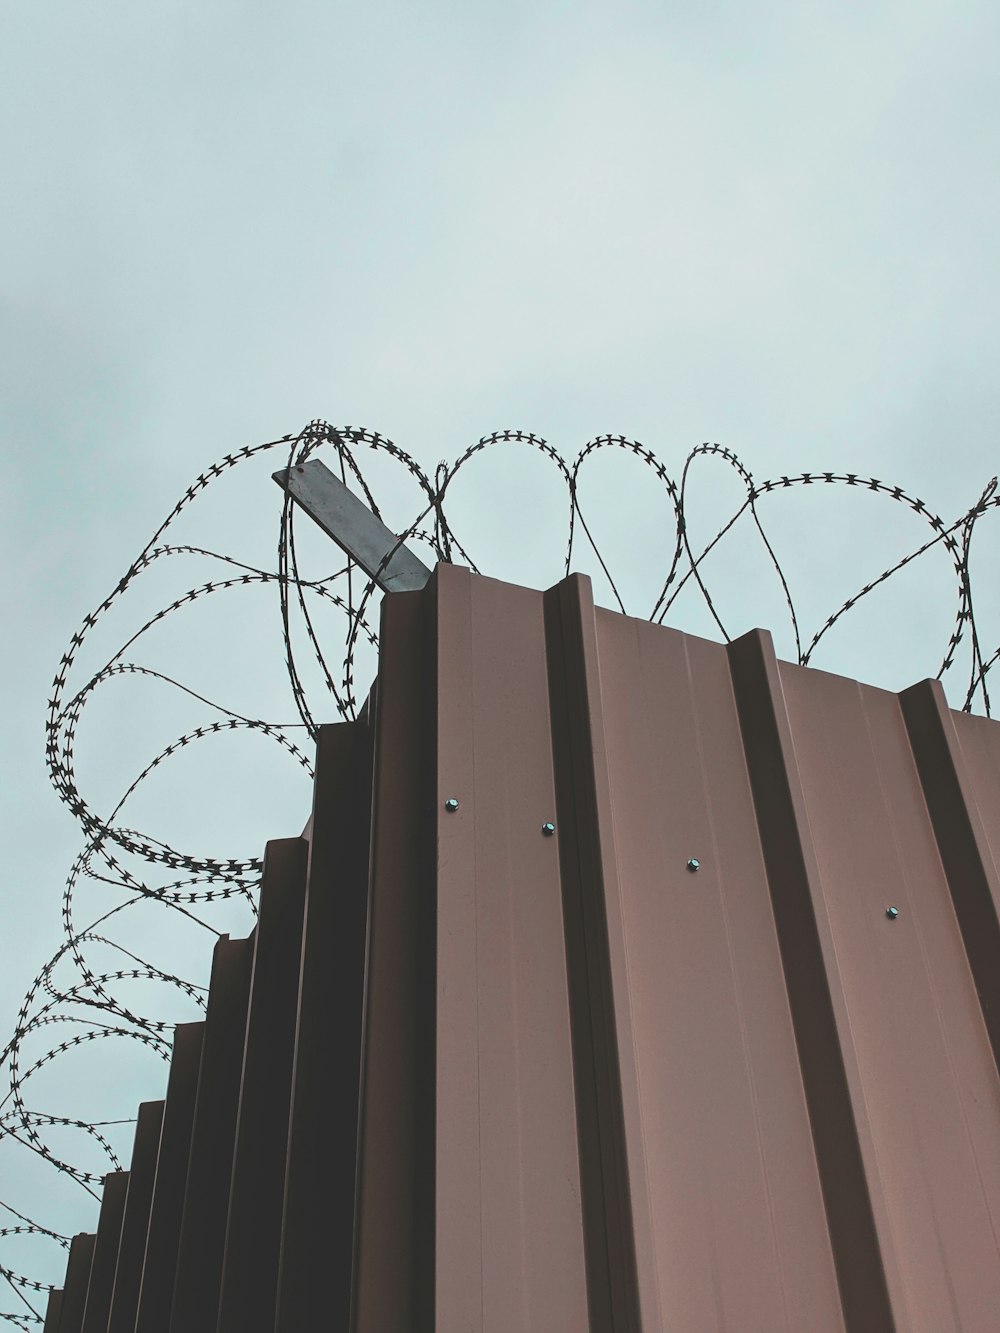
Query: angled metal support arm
x=353, y=526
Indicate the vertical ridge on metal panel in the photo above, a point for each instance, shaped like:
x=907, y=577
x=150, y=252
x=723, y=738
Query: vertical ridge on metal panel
x=206, y=1195
x=167, y=1204
x=394, y=1290
x=102, y=1269
x=135, y=1225
x=81, y=1254
x=53, y=1311
x=253, y=1232
x=583, y=819
x=962, y=842
x=460, y=1042
x=317, y=1236
x=819, y=1030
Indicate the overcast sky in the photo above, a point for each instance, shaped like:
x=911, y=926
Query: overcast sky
x=771, y=225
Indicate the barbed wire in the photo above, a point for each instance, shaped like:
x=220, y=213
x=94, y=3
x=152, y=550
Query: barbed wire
x=78, y=1000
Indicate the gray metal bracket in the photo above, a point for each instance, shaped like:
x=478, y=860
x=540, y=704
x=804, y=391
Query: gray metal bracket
x=353, y=526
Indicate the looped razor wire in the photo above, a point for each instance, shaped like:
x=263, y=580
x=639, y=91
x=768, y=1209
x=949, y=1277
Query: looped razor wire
x=77, y=999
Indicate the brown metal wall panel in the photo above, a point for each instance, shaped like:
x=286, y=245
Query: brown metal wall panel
x=963, y=797
x=135, y=1225
x=394, y=1289
x=167, y=1206
x=979, y=745
x=194, y=1308
x=928, y=1078
x=507, y=1160
x=829, y=1068
x=250, y=1267
x=53, y=1311
x=81, y=1254
x=317, y=1243
x=739, y=1230
x=105, y=1261
x=621, y=1283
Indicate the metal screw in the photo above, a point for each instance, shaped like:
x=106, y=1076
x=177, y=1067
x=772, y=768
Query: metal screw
x=451, y=805
x=892, y=913
x=548, y=829
x=694, y=864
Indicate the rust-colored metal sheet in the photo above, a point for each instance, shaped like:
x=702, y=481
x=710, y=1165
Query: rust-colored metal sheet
x=643, y=983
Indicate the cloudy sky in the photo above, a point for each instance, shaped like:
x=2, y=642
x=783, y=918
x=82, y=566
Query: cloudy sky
x=772, y=225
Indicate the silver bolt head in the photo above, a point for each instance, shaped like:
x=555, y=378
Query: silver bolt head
x=694, y=864
x=892, y=913
x=451, y=805
x=548, y=829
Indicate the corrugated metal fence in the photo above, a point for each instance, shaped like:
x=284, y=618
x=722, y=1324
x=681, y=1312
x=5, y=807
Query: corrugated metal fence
x=625, y=982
